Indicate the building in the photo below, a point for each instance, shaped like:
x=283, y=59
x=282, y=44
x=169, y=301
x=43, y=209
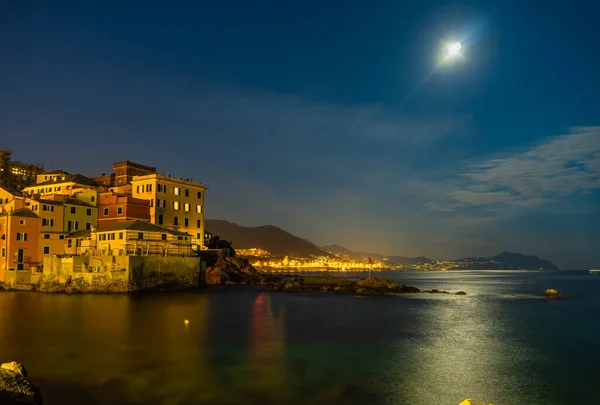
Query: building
x=7, y=195
x=174, y=203
x=79, y=215
x=65, y=184
x=53, y=175
x=51, y=233
x=113, y=207
x=131, y=238
x=123, y=173
x=19, y=242
x=16, y=175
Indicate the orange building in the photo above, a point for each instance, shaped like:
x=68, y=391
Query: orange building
x=113, y=207
x=19, y=240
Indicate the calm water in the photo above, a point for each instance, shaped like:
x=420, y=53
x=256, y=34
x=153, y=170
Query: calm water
x=503, y=343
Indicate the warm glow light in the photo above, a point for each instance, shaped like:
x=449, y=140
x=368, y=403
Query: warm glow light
x=454, y=49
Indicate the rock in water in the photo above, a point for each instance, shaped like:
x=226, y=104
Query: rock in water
x=470, y=401
x=552, y=293
x=461, y=293
x=15, y=388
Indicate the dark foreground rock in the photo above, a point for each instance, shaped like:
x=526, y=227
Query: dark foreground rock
x=15, y=388
x=232, y=270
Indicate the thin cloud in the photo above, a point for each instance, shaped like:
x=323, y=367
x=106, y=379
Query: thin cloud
x=559, y=167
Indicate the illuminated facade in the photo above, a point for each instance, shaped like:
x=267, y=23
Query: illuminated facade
x=114, y=207
x=18, y=240
x=174, y=203
x=65, y=184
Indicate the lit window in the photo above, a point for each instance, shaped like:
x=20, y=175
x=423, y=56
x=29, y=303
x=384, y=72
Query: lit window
x=176, y=190
x=199, y=209
x=186, y=207
x=176, y=205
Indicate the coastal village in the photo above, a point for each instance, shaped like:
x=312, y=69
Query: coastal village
x=55, y=223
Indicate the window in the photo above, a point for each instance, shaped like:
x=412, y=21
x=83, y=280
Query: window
x=164, y=203
x=3, y=252
x=88, y=212
x=158, y=202
x=105, y=212
x=52, y=221
x=46, y=250
x=21, y=222
x=163, y=236
x=148, y=188
x=73, y=210
x=199, y=209
x=176, y=190
x=160, y=219
x=137, y=189
x=176, y=205
x=88, y=226
x=69, y=243
x=175, y=221
x=186, y=207
x=59, y=188
x=119, y=210
x=76, y=225
x=198, y=223
x=199, y=195
x=120, y=235
x=21, y=236
x=141, y=235
x=111, y=236
x=61, y=237
x=92, y=199
x=197, y=236
x=159, y=187
x=44, y=222
x=52, y=208
x=44, y=207
x=46, y=236
x=187, y=192
x=186, y=222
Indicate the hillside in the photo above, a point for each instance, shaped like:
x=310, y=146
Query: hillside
x=340, y=250
x=270, y=238
x=505, y=261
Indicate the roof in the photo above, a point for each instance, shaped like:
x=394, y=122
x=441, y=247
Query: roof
x=11, y=191
x=75, y=201
x=138, y=225
x=56, y=172
x=85, y=233
x=69, y=178
x=50, y=202
x=24, y=212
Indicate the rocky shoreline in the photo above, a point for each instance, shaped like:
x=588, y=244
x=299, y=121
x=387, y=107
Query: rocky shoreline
x=223, y=272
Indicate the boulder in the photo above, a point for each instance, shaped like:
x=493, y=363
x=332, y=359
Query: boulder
x=15, y=388
x=461, y=293
x=552, y=293
x=470, y=401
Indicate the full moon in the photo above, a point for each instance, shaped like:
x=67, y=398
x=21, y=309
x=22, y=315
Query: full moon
x=454, y=48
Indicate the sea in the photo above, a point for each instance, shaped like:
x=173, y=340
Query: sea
x=502, y=343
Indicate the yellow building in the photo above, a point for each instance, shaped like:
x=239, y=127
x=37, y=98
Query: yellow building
x=52, y=234
x=175, y=203
x=7, y=195
x=133, y=238
x=79, y=215
x=64, y=184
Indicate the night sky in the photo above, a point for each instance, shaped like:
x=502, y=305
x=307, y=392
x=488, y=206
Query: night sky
x=330, y=119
